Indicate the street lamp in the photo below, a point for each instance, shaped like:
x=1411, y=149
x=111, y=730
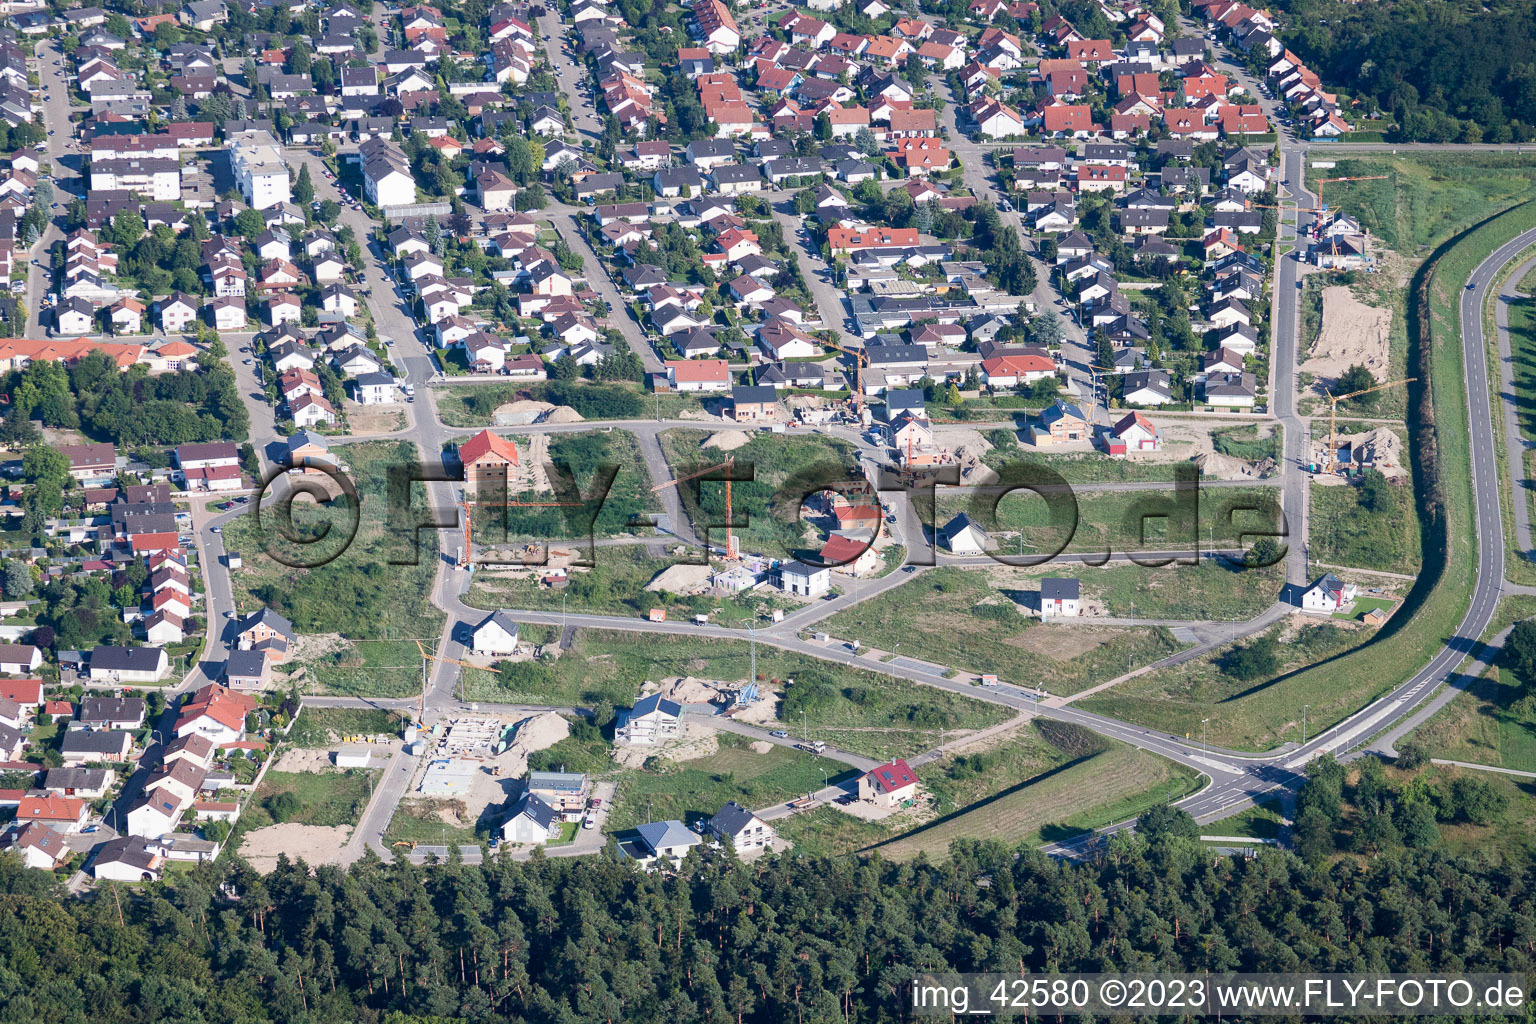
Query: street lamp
x=1304, y=708
x=1204, y=750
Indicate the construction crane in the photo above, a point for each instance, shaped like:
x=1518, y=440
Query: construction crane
x=860, y=360
x=1333, y=409
x=1322, y=207
x=464, y=557
x=421, y=707
x=730, y=461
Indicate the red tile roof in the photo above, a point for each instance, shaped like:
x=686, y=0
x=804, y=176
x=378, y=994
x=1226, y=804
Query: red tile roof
x=892, y=776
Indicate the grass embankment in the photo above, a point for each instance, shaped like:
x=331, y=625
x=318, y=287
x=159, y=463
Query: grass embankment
x=1116, y=783
x=321, y=727
x=1258, y=717
x=957, y=618
x=785, y=470
x=1482, y=725
x=1522, y=344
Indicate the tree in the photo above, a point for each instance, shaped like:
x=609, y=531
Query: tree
x=1520, y=651
x=1251, y=661
x=1045, y=329
x=249, y=223
x=304, y=187
x=1376, y=494
x=1163, y=822
x=1356, y=378
x=805, y=202
x=17, y=580
x=43, y=464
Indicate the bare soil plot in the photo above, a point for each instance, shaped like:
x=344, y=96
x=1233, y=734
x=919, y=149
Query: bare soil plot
x=314, y=844
x=1352, y=333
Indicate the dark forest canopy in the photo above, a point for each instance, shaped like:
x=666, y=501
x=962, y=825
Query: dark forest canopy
x=1442, y=72
x=788, y=939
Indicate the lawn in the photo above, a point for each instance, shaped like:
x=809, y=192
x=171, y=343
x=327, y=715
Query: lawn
x=785, y=470
x=1122, y=520
x=957, y=618
x=1363, y=606
x=475, y=405
x=688, y=790
x=353, y=588
x=328, y=798
x=1346, y=532
x=1245, y=714
x=321, y=727
x=1112, y=785
x=869, y=712
x=616, y=586
x=583, y=459
x=1214, y=590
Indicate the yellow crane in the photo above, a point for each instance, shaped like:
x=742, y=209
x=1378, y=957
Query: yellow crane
x=730, y=461
x=860, y=360
x=465, y=558
x=1333, y=410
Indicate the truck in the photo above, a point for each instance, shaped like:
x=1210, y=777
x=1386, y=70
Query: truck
x=812, y=746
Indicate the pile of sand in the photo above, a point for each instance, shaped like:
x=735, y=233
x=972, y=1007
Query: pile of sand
x=974, y=472
x=563, y=414
x=1380, y=449
x=522, y=411
x=311, y=646
x=1352, y=333
x=540, y=732
x=726, y=440
x=679, y=579
x=761, y=746
x=314, y=844
x=1225, y=467
x=692, y=690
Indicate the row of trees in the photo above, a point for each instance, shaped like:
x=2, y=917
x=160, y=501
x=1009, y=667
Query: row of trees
x=786, y=939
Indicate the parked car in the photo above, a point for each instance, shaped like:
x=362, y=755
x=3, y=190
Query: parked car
x=779, y=734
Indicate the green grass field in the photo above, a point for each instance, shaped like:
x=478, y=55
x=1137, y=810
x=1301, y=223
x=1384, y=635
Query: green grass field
x=1214, y=590
x=421, y=821
x=688, y=790
x=1122, y=520
x=1345, y=532
x=375, y=668
x=955, y=617
x=1480, y=727
x=328, y=798
x=474, y=405
x=358, y=592
x=608, y=665
x=1112, y=785
x=1261, y=821
x=581, y=457
x=1426, y=197
x=785, y=470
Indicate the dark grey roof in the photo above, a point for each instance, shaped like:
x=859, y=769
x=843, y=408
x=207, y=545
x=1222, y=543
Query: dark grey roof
x=752, y=393
x=126, y=659
x=111, y=709
x=1056, y=588
x=731, y=820
x=267, y=616
x=83, y=742
x=535, y=808
x=244, y=664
